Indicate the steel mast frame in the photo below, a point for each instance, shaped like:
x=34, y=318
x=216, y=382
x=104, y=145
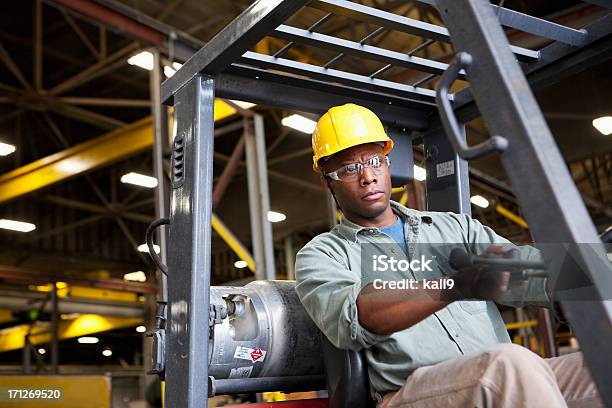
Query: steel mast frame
x=226, y=68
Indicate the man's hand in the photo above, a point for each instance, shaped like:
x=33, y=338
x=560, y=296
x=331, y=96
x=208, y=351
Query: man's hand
x=483, y=284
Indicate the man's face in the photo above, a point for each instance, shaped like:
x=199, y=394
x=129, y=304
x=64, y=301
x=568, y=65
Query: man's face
x=368, y=195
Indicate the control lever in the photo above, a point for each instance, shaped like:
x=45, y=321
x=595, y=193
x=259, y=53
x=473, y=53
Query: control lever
x=520, y=269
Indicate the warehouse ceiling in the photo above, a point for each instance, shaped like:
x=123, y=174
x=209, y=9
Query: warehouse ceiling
x=73, y=85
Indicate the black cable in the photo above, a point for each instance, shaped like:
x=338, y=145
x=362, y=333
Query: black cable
x=149, y=237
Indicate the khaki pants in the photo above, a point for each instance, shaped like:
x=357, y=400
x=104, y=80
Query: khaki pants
x=506, y=375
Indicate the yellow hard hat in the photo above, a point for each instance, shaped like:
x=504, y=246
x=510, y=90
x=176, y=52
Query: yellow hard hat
x=342, y=127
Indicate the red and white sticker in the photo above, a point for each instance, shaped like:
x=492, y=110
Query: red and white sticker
x=247, y=353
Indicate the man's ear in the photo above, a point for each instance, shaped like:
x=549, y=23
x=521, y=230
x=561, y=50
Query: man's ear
x=325, y=182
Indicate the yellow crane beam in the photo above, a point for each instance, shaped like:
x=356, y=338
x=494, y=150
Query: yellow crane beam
x=13, y=338
x=82, y=158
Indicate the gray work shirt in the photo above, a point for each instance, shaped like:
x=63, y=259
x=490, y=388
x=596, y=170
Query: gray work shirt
x=329, y=279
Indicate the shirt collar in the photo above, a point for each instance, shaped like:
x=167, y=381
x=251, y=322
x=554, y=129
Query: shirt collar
x=349, y=229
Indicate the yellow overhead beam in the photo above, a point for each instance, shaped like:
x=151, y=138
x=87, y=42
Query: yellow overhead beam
x=233, y=242
x=87, y=156
x=511, y=216
x=84, y=292
x=13, y=338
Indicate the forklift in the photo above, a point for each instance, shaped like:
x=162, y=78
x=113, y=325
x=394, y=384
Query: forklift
x=258, y=337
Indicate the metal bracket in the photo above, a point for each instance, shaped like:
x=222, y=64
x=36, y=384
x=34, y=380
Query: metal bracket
x=217, y=314
x=449, y=121
x=158, y=364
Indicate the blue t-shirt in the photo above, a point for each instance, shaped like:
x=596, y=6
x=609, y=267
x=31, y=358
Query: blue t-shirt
x=396, y=231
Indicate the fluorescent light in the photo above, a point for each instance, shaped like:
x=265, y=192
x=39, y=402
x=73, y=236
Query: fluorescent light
x=274, y=216
x=107, y=352
x=72, y=166
x=41, y=351
x=138, y=276
x=16, y=225
x=479, y=201
x=141, y=329
x=143, y=59
x=144, y=248
x=242, y=104
x=603, y=124
x=88, y=340
x=6, y=149
x=171, y=70
x=419, y=173
x=240, y=264
x=299, y=122
x=139, y=180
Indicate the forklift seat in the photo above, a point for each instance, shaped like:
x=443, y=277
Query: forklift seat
x=346, y=373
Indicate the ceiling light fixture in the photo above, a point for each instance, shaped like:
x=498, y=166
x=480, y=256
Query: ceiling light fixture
x=6, y=149
x=143, y=59
x=88, y=340
x=480, y=201
x=603, y=124
x=138, y=276
x=274, y=216
x=18, y=226
x=170, y=70
x=144, y=248
x=300, y=123
x=242, y=104
x=240, y=264
x=138, y=179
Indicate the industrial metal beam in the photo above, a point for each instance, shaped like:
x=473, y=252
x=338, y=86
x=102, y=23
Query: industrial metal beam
x=448, y=186
x=13, y=338
x=359, y=50
x=245, y=31
x=291, y=92
x=425, y=96
x=15, y=273
x=98, y=209
x=259, y=198
x=115, y=102
x=85, y=157
x=43, y=103
x=38, y=46
x=228, y=172
x=93, y=71
x=5, y=57
x=540, y=178
x=557, y=61
x=400, y=23
x=533, y=25
x=76, y=160
x=187, y=335
x=137, y=25
x=234, y=243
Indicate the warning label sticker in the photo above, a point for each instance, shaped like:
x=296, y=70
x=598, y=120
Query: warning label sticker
x=247, y=353
x=241, y=372
x=445, y=168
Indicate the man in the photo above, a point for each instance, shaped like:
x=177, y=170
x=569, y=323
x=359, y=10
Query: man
x=426, y=345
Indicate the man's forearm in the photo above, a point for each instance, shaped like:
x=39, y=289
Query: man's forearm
x=385, y=311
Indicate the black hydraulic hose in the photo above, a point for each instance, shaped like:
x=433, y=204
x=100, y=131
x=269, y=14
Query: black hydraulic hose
x=149, y=237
